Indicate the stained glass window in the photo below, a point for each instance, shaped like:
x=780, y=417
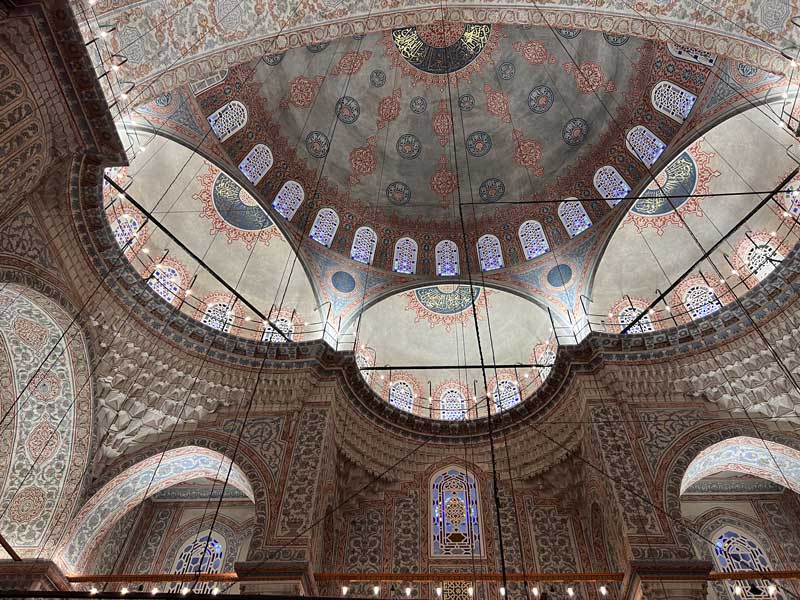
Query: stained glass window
x=506, y=395
x=672, y=100
x=610, y=185
x=574, y=217
x=791, y=200
x=166, y=282
x=702, y=57
x=401, y=395
x=201, y=555
x=455, y=514
x=628, y=315
x=534, y=242
x=219, y=316
x=700, y=300
x=405, y=256
x=490, y=253
x=644, y=145
x=257, y=163
x=284, y=324
x=198, y=87
x=453, y=406
x=325, y=226
x=446, y=258
x=124, y=228
x=545, y=361
x=735, y=551
x=362, y=361
x=761, y=260
x=289, y=199
x=363, y=248
x=228, y=120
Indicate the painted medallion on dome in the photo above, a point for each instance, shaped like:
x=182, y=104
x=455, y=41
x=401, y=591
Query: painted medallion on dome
x=443, y=47
x=445, y=304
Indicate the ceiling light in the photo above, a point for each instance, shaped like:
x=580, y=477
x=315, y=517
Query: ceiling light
x=785, y=214
x=345, y=589
x=535, y=591
x=738, y=589
x=247, y=319
x=214, y=591
x=438, y=591
x=502, y=591
x=376, y=590
x=93, y=591
x=734, y=272
x=185, y=591
x=470, y=591
x=154, y=591
x=603, y=590
x=773, y=233
x=103, y=34
x=124, y=96
x=123, y=591
x=408, y=591
x=771, y=589
x=115, y=68
x=142, y=148
x=570, y=592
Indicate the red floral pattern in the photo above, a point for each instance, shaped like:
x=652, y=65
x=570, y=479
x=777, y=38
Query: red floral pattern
x=589, y=77
x=302, y=90
x=389, y=108
x=497, y=103
x=442, y=123
x=351, y=63
x=362, y=161
x=528, y=153
x=443, y=181
x=534, y=52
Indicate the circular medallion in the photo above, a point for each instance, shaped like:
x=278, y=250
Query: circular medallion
x=347, y=110
x=466, y=102
x=418, y=105
x=343, y=282
x=317, y=144
x=506, y=71
x=408, y=146
x=316, y=48
x=616, y=39
x=441, y=48
x=236, y=207
x=43, y=442
x=27, y=504
x=447, y=299
x=274, y=59
x=540, y=99
x=377, y=78
x=568, y=34
x=479, y=143
x=492, y=189
x=746, y=71
x=575, y=131
x=398, y=193
x=677, y=181
x=559, y=276
x=164, y=100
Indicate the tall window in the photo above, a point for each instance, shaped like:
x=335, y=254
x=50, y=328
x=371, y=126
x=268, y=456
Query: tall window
x=363, y=248
x=610, y=184
x=446, y=258
x=672, y=100
x=490, y=253
x=644, y=145
x=791, y=200
x=401, y=396
x=217, y=77
x=453, y=406
x=760, y=259
x=455, y=514
x=166, y=282
x=289, y=199
x=628, y=315
x=284, y=325
x=702, y=57
x=534, y=242
x=124, y=228
x=257, y=163
x=736, y=551
x=405, y=256
x=700, y=300
x=546, y=362
x=219, y=316
x=325, y=226
x=202, y=555
x=228, y=120
x=574, y=217
x=506, y=395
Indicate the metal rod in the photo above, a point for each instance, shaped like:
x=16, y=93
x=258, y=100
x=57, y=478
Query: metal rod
x=9, y=549
x=433, y=367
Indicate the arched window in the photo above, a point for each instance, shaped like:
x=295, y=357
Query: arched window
x=574, y=217
x=506, y=395
x=219, y=316
x=695, y=55
x=534, y=242
x=672, y=100
x=446, y=258
x=405, y=256
x=257, y=163
x=791, y=200
x=700, y=300
x=228, y=120
x=365, y=359
x=455, y=514
x=760, y=259
x=401, y=396
x=201, y=554
x=284, y=324
x=490, y=253
x=289, y=199
x=610, y=184
x=325, y=226
x=453, y=406
x=546, y=360
x=198, y=87
x=734, y=550
x=125, y=228
x=644, y=145
x=166, y=282
x=363, y=248
x=628, y=315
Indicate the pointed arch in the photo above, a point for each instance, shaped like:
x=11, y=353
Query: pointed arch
x=533, y=239
x=324, y=227
x=490, y=252
x=610, y=185
x=405, y=256
x=289, y=199
x=257, y=163
x=228, y=119
x=364, y=242
x=452, y=405
x=401, y=395
x=628, y=315
x=672, y=100
x=506, y=395
x=447, y=258
x=573, y=216
x=455, y=514
x=700, y=301
x=644, y=145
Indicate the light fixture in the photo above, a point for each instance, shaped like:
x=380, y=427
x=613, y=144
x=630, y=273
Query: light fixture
x=184, y=591
x=104, y=34
x=214, y=591
x=734, y=272
x=771, y=589
x=93, y=591
x=603, y=590
x=247, y=319
x=570, y=592
x=502, y=591
x=535, y=592
x=189, y=292
x=738, y=590
x=785, y=214
x=115, y=68
x=345, y=589
x=376, y=590
x=773, y=233
x=154, y=591
x=146, y=250
x=408, y=591
x=142, y=148
x=470, y=591
x=123, y=591
x=439, y=591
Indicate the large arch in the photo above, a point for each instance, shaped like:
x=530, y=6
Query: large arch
x=136, y=484
x=46, y=405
